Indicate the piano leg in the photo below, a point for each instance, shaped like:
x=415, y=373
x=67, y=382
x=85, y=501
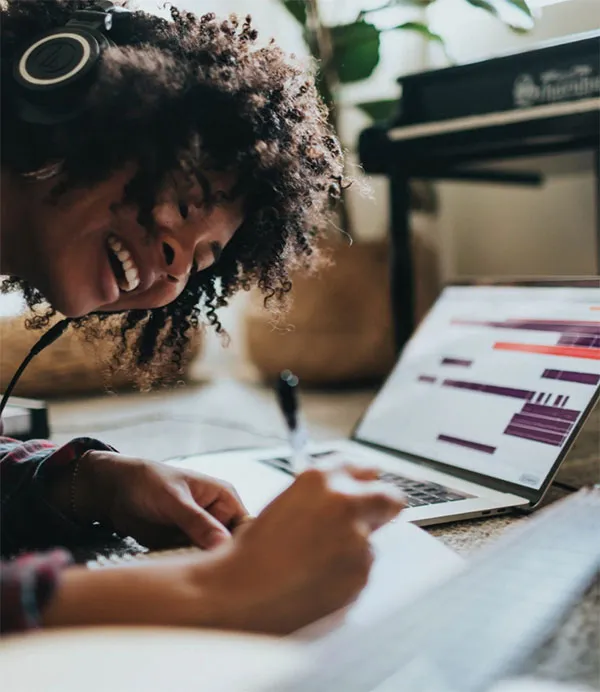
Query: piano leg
x=401, y=268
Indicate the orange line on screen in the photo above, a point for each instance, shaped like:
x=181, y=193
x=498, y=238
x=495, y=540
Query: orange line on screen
x=568, y=351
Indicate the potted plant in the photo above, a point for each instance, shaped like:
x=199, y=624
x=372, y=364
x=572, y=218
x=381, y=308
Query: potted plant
x=338, y=329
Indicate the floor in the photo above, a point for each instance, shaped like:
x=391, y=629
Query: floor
x=200, y=418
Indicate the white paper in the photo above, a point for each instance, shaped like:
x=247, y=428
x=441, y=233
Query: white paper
x=408, y=562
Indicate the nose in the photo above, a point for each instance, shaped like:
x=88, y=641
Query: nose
x=177, y=242
x=178, y=262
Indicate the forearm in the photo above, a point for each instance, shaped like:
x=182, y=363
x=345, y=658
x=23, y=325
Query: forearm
x=170, y=594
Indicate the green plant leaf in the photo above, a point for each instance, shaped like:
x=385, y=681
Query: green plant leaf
x=379, y=110
x=420, y=28
x=408, y=3
x=297, y=8
x=426, y=32
x=514, y=13
x=394, y=3
x=355, y=50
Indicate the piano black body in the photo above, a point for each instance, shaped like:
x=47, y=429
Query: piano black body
x=454, y=122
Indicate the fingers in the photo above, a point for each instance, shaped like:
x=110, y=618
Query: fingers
x=360, y=473
x=219, y=499
x=202, y=528
x=372, y=503
x=378, y=506
x=242, y=525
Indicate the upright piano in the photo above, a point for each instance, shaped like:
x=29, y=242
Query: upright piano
x=452, y=123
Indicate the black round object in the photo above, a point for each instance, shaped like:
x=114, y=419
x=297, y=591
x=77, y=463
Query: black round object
x=58, y=59
x=53, y=73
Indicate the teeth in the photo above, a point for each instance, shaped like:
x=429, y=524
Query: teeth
x=132, y=276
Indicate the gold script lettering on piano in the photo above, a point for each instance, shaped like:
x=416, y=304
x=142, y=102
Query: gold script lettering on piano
x=556, y=85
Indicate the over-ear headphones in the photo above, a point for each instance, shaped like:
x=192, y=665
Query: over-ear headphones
x=54, y=72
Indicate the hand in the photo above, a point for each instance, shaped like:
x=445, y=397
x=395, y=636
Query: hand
x=306, y=556
x=308, y=553
x=158, y=505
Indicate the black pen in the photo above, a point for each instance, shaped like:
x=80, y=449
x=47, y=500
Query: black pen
x=289, y=403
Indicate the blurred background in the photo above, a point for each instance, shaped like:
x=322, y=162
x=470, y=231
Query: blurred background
x=471, y=229
x=459, y=230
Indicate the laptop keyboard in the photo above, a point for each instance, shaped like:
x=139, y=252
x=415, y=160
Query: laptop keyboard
x=420, y=493
x=417, y=492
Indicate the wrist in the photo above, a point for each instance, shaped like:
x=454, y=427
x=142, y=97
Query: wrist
x=231, y=598
x=92, y=488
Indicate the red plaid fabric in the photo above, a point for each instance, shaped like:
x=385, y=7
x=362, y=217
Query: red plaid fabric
x=31, y=528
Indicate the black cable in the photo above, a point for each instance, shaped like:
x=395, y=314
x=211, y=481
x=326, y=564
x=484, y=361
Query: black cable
x=48, y=338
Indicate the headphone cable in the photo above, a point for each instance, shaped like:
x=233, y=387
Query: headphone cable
x=48, y=338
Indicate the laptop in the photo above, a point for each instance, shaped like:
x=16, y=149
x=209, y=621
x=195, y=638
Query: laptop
x=481, y=408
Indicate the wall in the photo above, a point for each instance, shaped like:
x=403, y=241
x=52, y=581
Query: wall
x=506, y=230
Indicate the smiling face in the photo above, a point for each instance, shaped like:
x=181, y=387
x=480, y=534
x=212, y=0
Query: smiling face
x=87, y=252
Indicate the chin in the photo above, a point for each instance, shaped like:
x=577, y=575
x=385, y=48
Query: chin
x=67, y=306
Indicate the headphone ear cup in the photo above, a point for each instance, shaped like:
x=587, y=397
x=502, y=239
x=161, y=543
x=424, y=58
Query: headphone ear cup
x=54, y=71
x=56, y=59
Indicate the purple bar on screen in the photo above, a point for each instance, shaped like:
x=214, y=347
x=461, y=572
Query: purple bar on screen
x=565, y=400
x=564, y=327
x=558, y=400
x=582, y=340
x=576, y=328
x=551, y=374
x=526, y=420
x=427, y=378
x=548, y=398
x=535, y=435
x=570, y=376
x=457, y=361
x=540, y=396
x=551, y=412
x=467, y=443
x=491, y=389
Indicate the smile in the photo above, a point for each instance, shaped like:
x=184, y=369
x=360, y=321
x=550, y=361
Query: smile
x=124, y=268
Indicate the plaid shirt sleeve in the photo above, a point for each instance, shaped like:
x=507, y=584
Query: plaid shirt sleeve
x=31, y=523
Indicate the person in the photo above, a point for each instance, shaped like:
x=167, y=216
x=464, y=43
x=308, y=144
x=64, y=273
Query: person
x=187, y=163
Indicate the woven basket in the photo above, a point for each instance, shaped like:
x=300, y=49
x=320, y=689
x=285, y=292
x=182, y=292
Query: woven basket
x=69, y=366
x=339, y=327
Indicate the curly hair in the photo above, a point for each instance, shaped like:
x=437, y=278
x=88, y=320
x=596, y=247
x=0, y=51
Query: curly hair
x=188, y=95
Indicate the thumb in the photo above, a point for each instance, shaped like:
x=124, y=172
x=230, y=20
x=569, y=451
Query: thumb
x=199, y=525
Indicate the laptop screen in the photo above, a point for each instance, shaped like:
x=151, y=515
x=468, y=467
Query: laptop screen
x=494, y=381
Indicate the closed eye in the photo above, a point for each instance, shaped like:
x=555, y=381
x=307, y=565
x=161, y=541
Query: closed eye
x=184, y=210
